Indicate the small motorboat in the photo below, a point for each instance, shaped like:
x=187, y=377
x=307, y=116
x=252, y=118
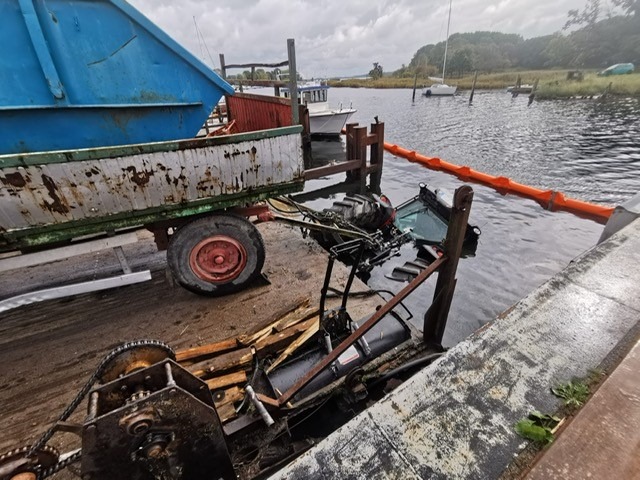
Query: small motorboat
x=323, y=120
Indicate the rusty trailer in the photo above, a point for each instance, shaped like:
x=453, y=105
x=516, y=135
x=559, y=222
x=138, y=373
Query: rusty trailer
x=187, y=192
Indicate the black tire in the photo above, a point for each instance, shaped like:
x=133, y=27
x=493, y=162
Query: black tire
x=190, y=253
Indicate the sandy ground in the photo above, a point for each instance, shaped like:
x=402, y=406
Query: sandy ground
x=49, y=349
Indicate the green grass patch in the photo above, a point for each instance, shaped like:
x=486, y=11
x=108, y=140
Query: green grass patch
x=591, y=86
x=552, y=84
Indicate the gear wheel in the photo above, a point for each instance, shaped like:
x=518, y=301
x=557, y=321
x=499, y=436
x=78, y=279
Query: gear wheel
x=139, y=355
x=111, y=364
x=20, y=464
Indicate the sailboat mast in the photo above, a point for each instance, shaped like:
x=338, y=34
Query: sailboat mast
x=446, y=43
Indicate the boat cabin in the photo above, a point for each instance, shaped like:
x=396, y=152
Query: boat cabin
x=310, y=95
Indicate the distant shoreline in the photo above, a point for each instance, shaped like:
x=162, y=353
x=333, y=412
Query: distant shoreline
x=553, y=84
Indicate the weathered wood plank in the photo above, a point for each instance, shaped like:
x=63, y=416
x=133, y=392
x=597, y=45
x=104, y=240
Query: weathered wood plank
x=311, y=330
x=280, y=340
x=222, y=363
x=226, y=412
x=266, y=327
x=204, y=350
x=230, y=395
x=234, y=378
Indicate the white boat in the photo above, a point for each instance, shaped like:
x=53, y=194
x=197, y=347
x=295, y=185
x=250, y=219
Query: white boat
x=441, y=88
x=323, y=120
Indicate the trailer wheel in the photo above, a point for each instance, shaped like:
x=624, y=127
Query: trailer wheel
x=216, y=255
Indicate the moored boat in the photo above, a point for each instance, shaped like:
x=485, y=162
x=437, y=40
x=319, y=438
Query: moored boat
x=323, y=120
x=440, y=88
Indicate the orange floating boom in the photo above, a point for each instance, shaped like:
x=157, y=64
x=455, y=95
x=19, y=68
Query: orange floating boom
x=549, y=199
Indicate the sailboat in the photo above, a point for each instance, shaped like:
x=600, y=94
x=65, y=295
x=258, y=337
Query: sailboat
x=442, y=88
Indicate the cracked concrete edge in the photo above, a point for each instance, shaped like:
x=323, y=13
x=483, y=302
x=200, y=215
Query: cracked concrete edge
x=455, y=418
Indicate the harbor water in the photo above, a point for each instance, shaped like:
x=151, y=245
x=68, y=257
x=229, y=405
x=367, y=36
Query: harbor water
x=589, y=150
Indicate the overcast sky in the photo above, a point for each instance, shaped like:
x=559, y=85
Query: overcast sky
x=341, y=37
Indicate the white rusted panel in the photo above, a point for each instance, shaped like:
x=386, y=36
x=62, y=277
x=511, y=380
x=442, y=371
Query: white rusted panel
x=61, y=192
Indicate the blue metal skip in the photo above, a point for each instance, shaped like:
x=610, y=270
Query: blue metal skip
x=89, y=73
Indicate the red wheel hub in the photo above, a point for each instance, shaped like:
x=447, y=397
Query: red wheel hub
x=218, y=259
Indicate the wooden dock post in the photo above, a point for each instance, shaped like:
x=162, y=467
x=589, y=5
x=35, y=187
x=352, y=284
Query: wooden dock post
x=293, y=81
x=415, y=83
x=473, y=87
x=361, y=152
x=223, y=67
x=516, y=89
x=377, y=156
x=532, y=95
x=435, y=319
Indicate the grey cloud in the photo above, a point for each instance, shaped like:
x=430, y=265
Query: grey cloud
x=340, y=37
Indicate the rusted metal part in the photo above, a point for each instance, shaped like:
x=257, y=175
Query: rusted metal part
x=59, y=193
x=258, y=112
x=218, y=259
x=173, y=426
x=252, y=211
x=364, y=328
x=435, y=319
x=167, y=215
x=42, y=192
x=66, y=156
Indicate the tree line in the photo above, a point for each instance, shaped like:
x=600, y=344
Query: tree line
x=601, y=39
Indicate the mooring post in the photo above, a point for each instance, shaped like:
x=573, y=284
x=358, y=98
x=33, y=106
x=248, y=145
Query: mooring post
x=351, y=140
x=223, y=68
x=293, y=81
x=377, y=156
x=516, y=89
x=415, y=83
x=435, y=319
x=361, y=151
x=473, y=87
x=532, y=95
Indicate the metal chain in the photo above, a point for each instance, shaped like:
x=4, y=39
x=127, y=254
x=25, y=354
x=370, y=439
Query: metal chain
x=61, y=465
x=83, y=393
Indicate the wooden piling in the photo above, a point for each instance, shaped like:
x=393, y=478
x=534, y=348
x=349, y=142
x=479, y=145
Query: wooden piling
x=415, y=83
x=606, y=92
x=435, y=320
x=532, y=95
x=361, y=152
x=516, y=89
x=293, y=81
x=377, y=156
x=473, y=87
x=223, y=68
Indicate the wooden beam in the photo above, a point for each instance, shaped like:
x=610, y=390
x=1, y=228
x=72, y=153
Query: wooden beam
x=282, y=316
x=216, y=383
x=312, y=329
x=435, y=319
x=222, y=363
x=280, y=340
x=230, y=395
x=209, y=349
x=261, y=65
x=331, y=169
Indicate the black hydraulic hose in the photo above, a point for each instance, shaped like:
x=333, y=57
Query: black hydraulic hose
x=418, y=362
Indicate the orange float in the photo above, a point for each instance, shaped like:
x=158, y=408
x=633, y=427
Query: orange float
x=549, y=199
